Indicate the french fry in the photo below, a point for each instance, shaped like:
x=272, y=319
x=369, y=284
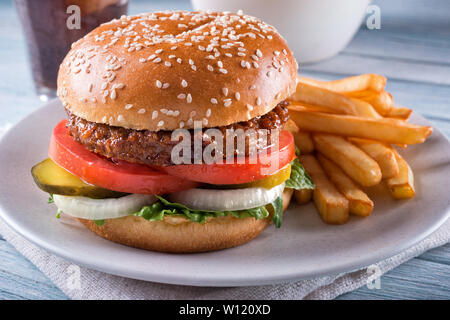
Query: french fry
x=387, y=130
x=360, y=108
x=304, y=142
x=362, y=82
x=382, y=153
x=381, y=101
x=291, y=126
x=352, y=160
x=402, y=186
x=303, y=196
x=359, y=203
x=365, y=109
x=314, y=108
x=322, y=97
x=399, y=113
x=332, y=206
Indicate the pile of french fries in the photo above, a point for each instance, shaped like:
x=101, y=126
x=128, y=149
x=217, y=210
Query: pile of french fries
x=347, y=131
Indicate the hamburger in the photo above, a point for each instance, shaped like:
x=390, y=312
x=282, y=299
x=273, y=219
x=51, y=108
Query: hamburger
x=174, y=135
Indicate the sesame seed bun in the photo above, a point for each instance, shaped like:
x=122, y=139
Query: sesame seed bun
x=180, y=235
x=166, y=70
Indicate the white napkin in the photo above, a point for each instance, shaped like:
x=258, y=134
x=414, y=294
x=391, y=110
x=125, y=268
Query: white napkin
x=83, y=283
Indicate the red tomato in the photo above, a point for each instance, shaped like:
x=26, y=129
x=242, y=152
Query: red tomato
x=265, y=165
x=121, y=176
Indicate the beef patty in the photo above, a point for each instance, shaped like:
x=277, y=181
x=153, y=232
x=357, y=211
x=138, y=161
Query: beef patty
x=154, y=148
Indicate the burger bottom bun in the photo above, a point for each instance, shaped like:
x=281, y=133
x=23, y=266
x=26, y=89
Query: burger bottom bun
x=179, y=235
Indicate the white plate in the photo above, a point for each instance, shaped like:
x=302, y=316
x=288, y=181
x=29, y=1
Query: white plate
x=304, y=247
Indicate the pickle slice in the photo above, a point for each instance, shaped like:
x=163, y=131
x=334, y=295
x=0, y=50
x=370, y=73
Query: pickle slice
x=53, y=179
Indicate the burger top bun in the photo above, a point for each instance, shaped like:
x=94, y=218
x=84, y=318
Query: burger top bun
x=167, y=70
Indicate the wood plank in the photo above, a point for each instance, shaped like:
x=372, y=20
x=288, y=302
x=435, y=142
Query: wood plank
x=438, y=255
x=20, y=279
x=415, y=279
x=399, y=69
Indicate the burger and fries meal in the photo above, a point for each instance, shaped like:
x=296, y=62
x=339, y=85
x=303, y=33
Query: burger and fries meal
x=191, y=131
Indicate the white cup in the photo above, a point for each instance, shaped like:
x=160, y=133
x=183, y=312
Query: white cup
x=314, y=29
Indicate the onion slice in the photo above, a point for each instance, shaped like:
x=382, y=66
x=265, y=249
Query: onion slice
x=226, y=200
x=99, y=209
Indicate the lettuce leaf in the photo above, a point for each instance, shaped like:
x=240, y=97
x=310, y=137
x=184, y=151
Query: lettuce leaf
x=299, y=178
x=162, y=207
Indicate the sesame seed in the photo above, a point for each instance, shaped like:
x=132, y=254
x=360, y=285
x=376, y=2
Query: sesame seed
x=120, y=118
x=259, y=53
x=258, y=101
x=277, y=53
x=141, y=111
x=249, y=107
x=159, y=51
x=213, y=100
x=181, y=96
x=189, y=98
x=128, y=106
x=241, y=54
x=119, y=86
x=284, y=51
x=184, y=83
x=157, y=60
x=165, y=85
x=142, y=60
x=225, y=91
x=209, y=67
x=113, y=94
x=161, y=123
x=158, y=84
x=191, y=62
x=227, y=102
x=179, y=60
x=208, y=113
x=174, y=48
x=220, y=64
x=243, y=64
x=151, y=57
x=228, y=55
x=255, y=64
x=193, y=67
x=181, y=124
x=172, y=56
x=168, y=64
x=154, y=115
x=237, y=95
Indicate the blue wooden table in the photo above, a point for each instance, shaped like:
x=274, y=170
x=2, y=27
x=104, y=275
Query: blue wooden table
x=412, y=49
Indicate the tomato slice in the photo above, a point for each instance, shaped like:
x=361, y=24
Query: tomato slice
x=265, y=165
x=121, y=176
